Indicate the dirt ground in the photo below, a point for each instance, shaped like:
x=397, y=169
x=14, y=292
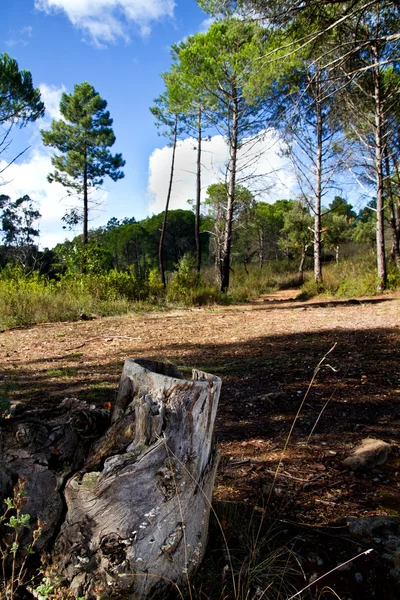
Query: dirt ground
x=267, y=354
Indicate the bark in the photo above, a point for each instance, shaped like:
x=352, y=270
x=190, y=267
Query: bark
x=198, y=195
x=260, y=247
x=380, y=237
x=137, y=517
x=126, y=500
x=318, y=190
x=393, y=221
x=164, y=224
x=44, y=448
x=225, y=264
x=302, y=261
x=85, y=216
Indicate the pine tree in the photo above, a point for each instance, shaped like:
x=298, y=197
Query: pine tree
x=83, y=138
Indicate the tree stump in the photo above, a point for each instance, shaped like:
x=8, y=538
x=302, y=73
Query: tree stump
x=138, y=510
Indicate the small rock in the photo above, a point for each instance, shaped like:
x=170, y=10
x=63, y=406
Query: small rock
x=16, y=408
x=382, y=531
x=358, y=577
x=368, y=454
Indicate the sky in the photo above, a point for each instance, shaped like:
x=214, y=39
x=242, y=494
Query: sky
x=121, y=47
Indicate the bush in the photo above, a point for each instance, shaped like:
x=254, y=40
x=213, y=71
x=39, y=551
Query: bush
x=155, y=287
x=186, y=281
x=27, y=299
x=353, y=277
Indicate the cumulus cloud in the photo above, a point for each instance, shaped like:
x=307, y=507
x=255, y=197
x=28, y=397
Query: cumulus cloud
x=51, y=96
x=261, y=168
x=105, y=21
x=29, y=176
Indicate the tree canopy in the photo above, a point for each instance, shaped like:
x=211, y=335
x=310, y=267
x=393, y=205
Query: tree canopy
x=20, y=102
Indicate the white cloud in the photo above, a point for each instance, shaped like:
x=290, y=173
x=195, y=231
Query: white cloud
x=20, y=38
x=51, y=96
x=262, y=170
x=206, y=24
x=105, y=21
x=30, y=177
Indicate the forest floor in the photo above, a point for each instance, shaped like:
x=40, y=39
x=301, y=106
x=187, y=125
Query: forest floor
x=266, y=354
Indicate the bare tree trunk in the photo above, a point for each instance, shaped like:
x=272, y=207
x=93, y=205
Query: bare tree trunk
x=302, y=261
x=380, y=236
x=198, y=194
x=227, y=241
x=164, y=224
x=393, y=221
x=260, y=247
x=85, y=216
x=318, y=190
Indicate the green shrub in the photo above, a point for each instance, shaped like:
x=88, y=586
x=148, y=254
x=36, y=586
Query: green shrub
x=393, y=278
x=27, y=299
x=353, y=277
x=186, y=281
x=155, y=287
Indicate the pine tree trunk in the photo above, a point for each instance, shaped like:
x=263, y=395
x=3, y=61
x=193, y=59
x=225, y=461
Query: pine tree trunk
x=380, y=236
x=260, y=247
x=164, y=224
x=393, y=221
x=318, y=192
x=227, y=240
x=85, y=217
x=198, y=195
x=302, y=261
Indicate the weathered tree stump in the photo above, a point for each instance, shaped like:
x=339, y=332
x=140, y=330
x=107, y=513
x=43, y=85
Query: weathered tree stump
x=138, y=510
x=45, y=448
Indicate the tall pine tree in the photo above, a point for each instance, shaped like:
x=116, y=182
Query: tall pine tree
x=83, y=138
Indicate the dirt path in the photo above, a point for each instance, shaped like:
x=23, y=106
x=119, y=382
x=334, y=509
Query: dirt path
x=266, y=354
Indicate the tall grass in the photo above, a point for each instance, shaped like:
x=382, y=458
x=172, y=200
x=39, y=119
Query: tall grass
x=353, y=277
x=27, y=299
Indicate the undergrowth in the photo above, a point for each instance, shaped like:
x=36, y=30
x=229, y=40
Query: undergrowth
x=349, y=278
x=31, y=298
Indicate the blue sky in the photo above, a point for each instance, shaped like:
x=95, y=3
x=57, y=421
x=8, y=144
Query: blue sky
x=121, y=47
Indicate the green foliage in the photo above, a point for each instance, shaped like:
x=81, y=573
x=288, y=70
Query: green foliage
x=340, y=206
x=350, y=278
x=17, y=219
x=154, y=285
x=393, y=279
x=337, y=230
x=185, y=282
x=20, y=102
x=296, y=235
x=52, y=586
x=87, y=122
x=68, y=257
x=83, y=138
x=14, y=550
x=27, y=299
